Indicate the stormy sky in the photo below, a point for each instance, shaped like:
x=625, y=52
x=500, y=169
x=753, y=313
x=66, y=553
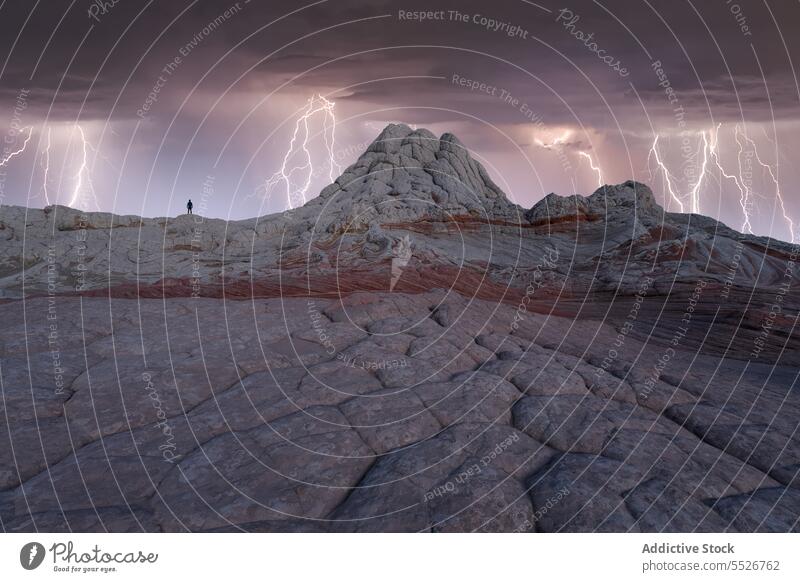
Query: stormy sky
x=134, y=106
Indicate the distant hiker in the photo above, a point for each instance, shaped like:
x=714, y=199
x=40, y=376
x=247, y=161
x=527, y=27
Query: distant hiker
x=189, y=206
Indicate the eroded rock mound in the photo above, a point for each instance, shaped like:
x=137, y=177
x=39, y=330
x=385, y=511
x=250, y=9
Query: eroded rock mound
x=407, y=175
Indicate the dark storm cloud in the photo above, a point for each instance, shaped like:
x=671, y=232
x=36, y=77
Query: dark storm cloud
x=704, y=49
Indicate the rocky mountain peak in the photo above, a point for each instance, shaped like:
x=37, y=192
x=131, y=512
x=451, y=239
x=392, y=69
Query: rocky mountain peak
x=408, y=174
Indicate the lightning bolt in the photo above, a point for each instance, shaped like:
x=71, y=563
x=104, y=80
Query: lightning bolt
x=710, y=155
x=695, y=193
x=298, y=146
x=330, y=143
x=83, y=176
x=668, y=177
x=714, y=155
x=46, y=168
x=744, y=201
x=18, y=152
x=775, y=181
x=562, y=139
x=594, y=168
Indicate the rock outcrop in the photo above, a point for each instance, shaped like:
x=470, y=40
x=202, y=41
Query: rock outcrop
x=609, y=203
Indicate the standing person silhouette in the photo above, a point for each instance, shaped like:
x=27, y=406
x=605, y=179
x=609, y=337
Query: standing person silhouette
x=189, y=206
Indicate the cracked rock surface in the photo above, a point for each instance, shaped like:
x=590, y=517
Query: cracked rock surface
x=302, y=438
